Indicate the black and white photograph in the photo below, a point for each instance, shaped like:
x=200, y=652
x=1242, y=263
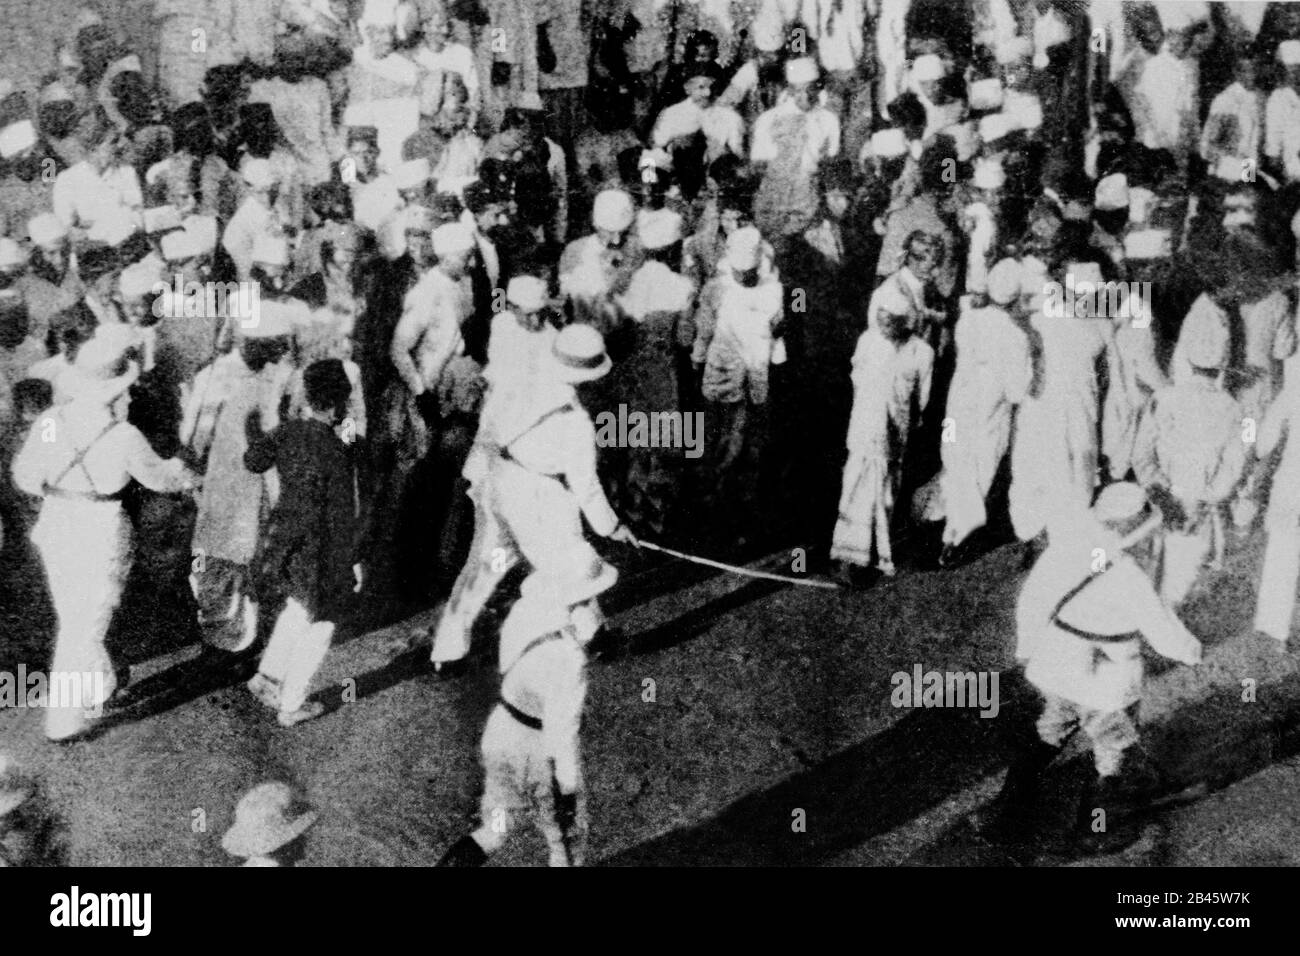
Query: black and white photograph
x=651, y=433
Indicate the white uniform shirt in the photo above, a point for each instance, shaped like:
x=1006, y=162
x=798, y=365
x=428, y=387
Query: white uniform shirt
x=1282, y=130
x=428, y=334
x=82, y=195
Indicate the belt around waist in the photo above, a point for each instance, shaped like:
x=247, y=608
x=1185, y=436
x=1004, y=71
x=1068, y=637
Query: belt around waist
x=83, y=495
x=528, y=720
x=1094, y=636
x=506, y=456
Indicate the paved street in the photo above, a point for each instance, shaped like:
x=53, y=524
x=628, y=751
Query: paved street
x=736, y=705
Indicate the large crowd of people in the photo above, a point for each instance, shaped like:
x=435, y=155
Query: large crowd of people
x=927, y=270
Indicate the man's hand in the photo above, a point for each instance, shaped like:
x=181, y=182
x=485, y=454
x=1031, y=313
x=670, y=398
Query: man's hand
x=623, y=534
x=359, y=576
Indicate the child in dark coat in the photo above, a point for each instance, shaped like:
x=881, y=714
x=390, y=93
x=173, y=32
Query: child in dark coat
x=311, y=543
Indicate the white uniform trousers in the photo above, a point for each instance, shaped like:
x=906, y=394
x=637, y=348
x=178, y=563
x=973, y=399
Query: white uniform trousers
x=297, y=647
x=1277, y=587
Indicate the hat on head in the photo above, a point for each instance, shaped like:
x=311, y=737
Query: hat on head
x=744, y=249
x=15, y=788
x=660, y=230
x=1181, y=15
x=995, y=126
x=103, y=370
x=1033, y=276
x=162, y=219
x=258, y=173
x=613, y=211
x=1082, y=272
x=265, y=822
x=17, y=137
x=12, y=255
x=54, y=92
x=928, y=67
x=989, y=174
x=137, y=281
x=180, y=245
x=452, y=238
x=888, y=143
x=1013, y=49
x=272, y=320
x=1004, y=282
x=412, y=174
x=801, y=70
x=1025, y=110
x=271, y=250
x=1147, y=244
x=985, y=94
x=527, y=293
x=204, y=231
x=1288, y=52
x=578, y=354
x=964, y=140
x=1124, y=506
x=1112, y=192
x=46, y=229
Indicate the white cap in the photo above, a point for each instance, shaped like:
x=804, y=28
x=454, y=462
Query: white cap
x=137, y=281
x=1181, y=14
x=204, y=231
x=744, y=249
x=985, y=94
x=258, y=173
x=1112, y=192
x=1013, y=50
x=989, y=174
x=11, y=254
x=17, y=137
x=114, y=226
x=888, y=143
x=162, y=219
x=271, y=250
x=452, y=238
x=1004, y=282
x=1081, y=272
x=1148, y=244
x=180, y=245
x=656, y=158
x=1288, y=52
x=802, y=69
x=413, y=173
x=768, y=28
x=889, y=297
x=994, y=126
x=527, y=293
x=529, y=100
x=1025, y=109
x=613, y=210
x=928, y=67
x=660, y=229
x=274, y=321
x=46, y=229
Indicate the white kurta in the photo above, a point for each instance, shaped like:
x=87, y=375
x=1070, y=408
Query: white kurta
x=1054, y=453
x=1277, y=587
x=994, y=372
x=889, y=382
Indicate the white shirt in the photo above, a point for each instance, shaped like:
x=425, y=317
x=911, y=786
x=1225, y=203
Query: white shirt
x=722, y=126
x=1282, y=130
x=82, y=195
x=1244, y=109
x=822, y=138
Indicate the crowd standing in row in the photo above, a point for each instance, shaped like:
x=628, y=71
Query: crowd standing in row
x=473, y=226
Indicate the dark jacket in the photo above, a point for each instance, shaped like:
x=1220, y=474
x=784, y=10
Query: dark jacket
x=312, y=539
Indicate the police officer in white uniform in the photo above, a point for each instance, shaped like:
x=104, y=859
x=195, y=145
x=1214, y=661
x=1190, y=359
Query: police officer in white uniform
x=1084, y=611
x=539, y=482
